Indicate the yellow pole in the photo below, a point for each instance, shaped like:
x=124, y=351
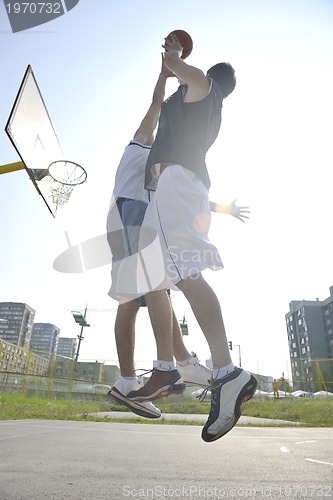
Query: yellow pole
x=11, y=167
x=26, y=372
x=49, y=386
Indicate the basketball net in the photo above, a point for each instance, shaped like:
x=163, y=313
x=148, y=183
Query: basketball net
x=66, y=175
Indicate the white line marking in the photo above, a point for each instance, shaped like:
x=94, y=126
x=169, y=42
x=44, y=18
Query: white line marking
x=284, y=449
x=303, y=442
x=318, y=461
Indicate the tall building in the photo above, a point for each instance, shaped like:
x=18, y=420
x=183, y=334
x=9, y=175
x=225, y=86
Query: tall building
x=44, y=338
x=14, y=359
x=16, y=323
x=66, y=347
x=310, y=337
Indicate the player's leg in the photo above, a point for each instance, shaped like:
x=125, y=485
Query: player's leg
x=230, y=386
x=160, y=314
x=165, y=379
x=124, y=329
x=128, y=381
x=207, y=311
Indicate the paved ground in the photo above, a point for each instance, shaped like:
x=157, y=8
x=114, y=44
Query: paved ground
x=61, y=460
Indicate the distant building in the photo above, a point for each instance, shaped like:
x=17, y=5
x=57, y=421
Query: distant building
x=111, y=374
x=310, y=336
x=16, y=323
x=44, y=338
x=88, y=371
x=66, y=347
x=14, y=359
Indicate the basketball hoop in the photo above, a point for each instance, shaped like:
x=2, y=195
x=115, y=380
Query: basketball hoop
x=66, y=175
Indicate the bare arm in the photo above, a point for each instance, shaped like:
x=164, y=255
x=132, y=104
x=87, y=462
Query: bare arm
x=145, y=132
x=198, y=84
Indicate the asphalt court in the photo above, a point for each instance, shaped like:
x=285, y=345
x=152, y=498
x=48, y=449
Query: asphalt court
x=58, y=460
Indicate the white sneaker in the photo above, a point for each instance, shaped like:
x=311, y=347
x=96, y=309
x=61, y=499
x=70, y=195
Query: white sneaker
x=194, y=373
x=227, y=396
x=119, y=393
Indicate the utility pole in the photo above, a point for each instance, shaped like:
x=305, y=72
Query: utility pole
x=81, y=320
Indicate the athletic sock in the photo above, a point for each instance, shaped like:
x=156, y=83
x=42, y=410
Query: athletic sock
x=223, y=372
x=164, y=366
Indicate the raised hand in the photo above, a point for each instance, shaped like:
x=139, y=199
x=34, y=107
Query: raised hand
x=239, y=212
x=232, y=209
x=172, y=43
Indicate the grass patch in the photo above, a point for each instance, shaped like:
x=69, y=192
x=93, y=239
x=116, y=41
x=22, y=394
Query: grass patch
x=312, y=412
x=21, y=407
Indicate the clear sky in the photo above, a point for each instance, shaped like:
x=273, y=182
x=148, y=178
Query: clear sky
x=96, y=67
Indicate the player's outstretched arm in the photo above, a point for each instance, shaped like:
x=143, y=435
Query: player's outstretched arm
x=232, y=209
x=145, y=132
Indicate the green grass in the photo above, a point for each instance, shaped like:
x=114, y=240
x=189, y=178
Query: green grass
x=314, y=412
x=311, y=412
x=20, y=407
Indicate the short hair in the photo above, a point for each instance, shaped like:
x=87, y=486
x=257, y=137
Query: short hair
x=224, y=75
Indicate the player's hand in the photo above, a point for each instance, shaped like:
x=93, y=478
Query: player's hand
x=239, y=212
x=172, y=43
x=165, y=70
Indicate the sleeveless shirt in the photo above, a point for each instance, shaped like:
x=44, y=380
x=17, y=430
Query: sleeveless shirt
x=129, y=180
x=185, y=133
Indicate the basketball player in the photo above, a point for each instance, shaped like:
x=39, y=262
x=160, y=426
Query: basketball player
x=127, y=209
x=179, y=212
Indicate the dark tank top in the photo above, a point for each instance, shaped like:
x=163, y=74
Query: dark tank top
x=185, y=133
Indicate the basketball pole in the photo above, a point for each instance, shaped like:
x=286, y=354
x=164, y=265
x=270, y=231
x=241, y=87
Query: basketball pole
x=11, y=167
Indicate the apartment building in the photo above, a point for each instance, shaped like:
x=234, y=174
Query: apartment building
x=15, y=359
x=16, y=323
x=66, y=347
x=45, y=338
x=310, y=337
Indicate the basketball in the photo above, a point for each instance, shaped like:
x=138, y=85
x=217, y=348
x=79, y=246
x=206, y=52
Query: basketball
x=185, y=41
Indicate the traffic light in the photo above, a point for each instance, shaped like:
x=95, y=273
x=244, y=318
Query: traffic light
x=230, y=345
x=183, y=326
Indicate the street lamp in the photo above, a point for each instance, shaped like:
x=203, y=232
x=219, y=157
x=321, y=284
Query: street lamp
x=81, y=320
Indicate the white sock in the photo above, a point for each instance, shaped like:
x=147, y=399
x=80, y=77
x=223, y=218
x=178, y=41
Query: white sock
x=164, y=366
x=223, y=372
x=128, y=378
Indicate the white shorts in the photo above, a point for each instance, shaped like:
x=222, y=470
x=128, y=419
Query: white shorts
x=181, y=217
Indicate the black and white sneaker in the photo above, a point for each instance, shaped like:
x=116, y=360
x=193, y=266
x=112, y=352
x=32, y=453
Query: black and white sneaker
x=227, y=396
x=119, y=393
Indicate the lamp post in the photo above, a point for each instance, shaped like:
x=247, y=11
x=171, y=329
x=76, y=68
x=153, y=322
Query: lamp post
x=81, y=320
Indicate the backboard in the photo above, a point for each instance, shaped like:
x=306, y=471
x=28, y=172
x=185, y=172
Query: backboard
x=31, y=132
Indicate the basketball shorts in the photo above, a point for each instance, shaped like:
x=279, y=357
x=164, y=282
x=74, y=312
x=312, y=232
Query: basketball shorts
x=180, y=215
x=124, y=242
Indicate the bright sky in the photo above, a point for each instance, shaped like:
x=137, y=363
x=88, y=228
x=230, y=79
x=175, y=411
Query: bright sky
x=96, y=67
